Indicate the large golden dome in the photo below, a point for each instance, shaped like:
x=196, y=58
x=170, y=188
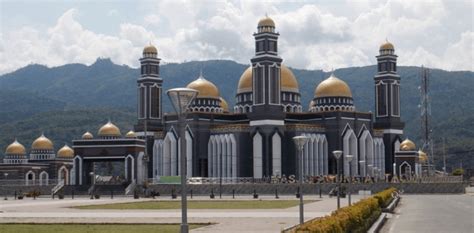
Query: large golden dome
x=109, y=130
x=288, y=80
x=387, y=46
x=205, y=88
x=15, y=148
x=407, y=145
x=266, y=22
x=422, y=156
x=42, y=143
x=332, y=87
x=224, y=105
x=150, y=49
x=66, y=152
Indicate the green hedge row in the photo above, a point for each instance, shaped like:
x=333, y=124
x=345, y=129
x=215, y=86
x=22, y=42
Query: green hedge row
x=356, y=218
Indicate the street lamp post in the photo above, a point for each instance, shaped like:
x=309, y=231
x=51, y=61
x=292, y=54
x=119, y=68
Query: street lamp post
x=394, y=170
x=6, y=176
x=300, y=142
x=181, y=98
x=363, y=175
x=371, y=173
x=375, y=174
x=337, y=154
x=91, y=174
x=349, y=159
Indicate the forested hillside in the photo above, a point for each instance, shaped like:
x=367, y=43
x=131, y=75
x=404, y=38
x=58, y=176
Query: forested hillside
x=65, y=101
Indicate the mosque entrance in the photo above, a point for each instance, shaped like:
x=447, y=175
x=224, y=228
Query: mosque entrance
x=109, y=172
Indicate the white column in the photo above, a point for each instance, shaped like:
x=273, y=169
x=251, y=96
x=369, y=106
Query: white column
x=228, y=156
x=306, y=160
x=209, y=156
x=219, y=156
x=215, y=145
x=317, y=157
x=234, y=155
x=140, y=168
x=276, y=155
x=189, y=154
x=325, y=155
x=257, y=155
x=312, y=162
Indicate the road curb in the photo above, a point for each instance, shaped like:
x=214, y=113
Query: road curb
x=378, y=224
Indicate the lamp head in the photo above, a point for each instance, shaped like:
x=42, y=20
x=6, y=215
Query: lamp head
x=337, y=154
x=349, y=158
x=300, y=141
x=181, y=98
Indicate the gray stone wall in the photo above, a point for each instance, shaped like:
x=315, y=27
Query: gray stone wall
x=267, y=189
x=312, y=189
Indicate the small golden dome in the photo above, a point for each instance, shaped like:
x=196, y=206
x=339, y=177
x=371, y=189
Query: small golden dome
x=266, y=22
x=288, y=80
x=407, y=145
x=42, y=143
x=130, y=134
x=150, y=49
x=15, y=148
x=205, y=88
x=66, y=152
x=387, y=46
x=109, y=130
x=332, y=87
x=87, y=135
x=224, y=105
x=422, y=156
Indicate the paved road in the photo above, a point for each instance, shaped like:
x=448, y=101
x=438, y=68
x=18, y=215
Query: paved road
x=433, y=214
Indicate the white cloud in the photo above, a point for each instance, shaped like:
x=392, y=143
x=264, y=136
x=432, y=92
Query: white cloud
x=434, y=33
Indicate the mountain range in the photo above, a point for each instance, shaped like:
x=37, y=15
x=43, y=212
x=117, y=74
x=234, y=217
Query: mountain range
x=65, y=101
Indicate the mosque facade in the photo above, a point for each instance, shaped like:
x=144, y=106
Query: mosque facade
x=252, y=138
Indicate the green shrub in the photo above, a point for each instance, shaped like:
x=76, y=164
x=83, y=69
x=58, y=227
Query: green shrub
x=458, y=172
x=356, y=218
x=385, y=197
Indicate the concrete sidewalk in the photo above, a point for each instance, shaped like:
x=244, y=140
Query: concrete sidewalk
x=45, y=210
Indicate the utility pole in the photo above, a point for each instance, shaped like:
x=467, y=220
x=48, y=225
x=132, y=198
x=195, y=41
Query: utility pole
x=444, y=156
x=425, y=115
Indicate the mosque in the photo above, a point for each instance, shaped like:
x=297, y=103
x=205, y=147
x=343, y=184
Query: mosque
x=251, y=139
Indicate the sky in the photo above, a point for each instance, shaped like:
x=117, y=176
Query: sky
x=313, y=34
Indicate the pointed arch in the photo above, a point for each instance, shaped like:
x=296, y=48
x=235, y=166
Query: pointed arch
x=77, y=167
x=43, y=178
x=257, y=155
x=63, y=174
x=367, y=152
x=276, y=155
x=130, y=168
x=350, y=148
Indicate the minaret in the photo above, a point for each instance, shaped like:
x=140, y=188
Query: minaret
x=387, y=102
x=266, y=66
x=266, y=114
x=149, y=87
x=149, y=109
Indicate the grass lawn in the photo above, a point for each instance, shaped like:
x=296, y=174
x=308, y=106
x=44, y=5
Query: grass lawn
x=92, y=228
x=211, y=204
